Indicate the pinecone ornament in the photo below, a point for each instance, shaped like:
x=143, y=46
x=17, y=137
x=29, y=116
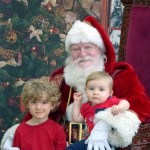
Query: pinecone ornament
x=11, y=37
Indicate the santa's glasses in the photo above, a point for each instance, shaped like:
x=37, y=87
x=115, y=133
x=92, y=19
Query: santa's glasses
x=83, y=48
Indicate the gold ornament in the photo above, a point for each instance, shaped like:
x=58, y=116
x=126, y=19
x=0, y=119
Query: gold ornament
x=58, y=52
x=46, y=59
x=53, y=63
x=12, y=37
x=7, y=54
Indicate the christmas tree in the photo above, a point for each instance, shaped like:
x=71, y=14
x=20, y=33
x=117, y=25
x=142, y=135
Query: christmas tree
x=32, y=34
x=30, y=47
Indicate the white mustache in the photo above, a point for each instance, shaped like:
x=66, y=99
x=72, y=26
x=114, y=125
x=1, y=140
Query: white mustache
x=84, y=59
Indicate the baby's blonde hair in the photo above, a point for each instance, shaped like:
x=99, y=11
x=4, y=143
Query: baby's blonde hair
x=100, y=75
x=33, y=91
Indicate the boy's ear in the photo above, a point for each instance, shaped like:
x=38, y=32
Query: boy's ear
x=57, y=104
x=52, y=108
x=55, y=107
x=112, y=92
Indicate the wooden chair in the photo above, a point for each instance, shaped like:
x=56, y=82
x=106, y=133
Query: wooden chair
x=135, y=49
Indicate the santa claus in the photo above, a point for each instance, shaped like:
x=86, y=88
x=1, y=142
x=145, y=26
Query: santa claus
x=89, y=49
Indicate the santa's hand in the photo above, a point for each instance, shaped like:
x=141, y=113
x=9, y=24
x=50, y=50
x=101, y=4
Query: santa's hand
x=8, y=144
x=98, y=137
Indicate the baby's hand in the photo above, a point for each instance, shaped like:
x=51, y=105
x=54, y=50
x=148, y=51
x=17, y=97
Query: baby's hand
x=115, y=110
x=78, y=96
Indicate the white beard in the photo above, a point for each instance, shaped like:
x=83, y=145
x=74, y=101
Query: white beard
x=76, y=77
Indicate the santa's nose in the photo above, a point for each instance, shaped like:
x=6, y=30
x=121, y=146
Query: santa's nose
x=82, y=52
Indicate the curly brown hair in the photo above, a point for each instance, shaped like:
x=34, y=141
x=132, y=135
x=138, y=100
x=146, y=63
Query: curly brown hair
x=33, y=89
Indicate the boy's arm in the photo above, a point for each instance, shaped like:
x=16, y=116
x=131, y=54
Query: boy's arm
x=121, y=107
x=76, y=115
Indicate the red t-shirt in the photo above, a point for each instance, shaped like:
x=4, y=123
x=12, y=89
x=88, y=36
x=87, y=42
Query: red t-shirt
x=46, y=136
x=88, y=111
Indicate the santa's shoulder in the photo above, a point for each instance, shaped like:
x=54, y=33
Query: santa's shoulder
x=57, y=76
x=123, y=66
x=57, y=72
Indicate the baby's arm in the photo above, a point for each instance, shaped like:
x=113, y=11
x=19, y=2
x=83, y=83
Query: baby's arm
x=121, y=107
x=76, y=115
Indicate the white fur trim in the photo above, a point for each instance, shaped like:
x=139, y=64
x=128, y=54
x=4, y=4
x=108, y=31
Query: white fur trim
x=69, y=112
x=83, y=32
x=10, y=131
x=124, y=127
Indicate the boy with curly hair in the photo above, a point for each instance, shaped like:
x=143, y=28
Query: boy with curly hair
x=40, y=132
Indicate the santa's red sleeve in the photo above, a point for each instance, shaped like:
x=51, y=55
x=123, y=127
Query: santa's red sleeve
x=127, y=85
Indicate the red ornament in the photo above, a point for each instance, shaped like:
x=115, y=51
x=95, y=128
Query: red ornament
x=6, y=1
x=48, y=6
x=53, y=30
x=12, y=102
x=5, y=84
x=34, y=50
